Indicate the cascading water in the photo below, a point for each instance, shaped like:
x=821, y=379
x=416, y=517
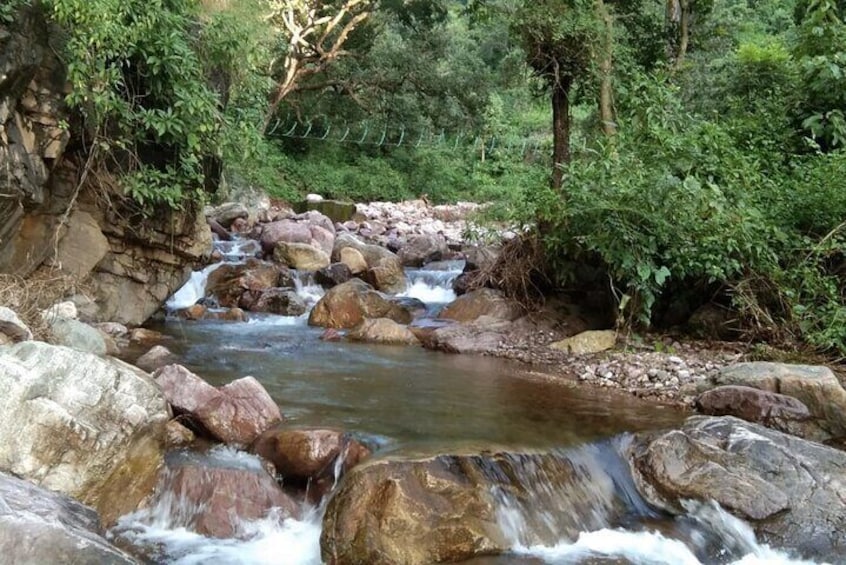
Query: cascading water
x=579, y=505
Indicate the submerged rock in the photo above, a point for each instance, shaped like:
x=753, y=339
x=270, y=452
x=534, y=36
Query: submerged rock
x=74, y=422
x=348, y=304
x=793, y=491
x=40, y=526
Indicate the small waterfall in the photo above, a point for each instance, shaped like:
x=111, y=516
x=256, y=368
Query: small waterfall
x=432, y=284
x=307, y=288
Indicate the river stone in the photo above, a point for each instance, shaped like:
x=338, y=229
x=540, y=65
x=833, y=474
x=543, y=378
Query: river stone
x=353, y=259
x=422, y=249
x=482, y=302
x=335, y=210
x=586, y=343
x=346, y=305
x=12, y=326
x=322, y=238
x=447, y=508
x=777, y=411
x=226, y=213
x=816, y=387
x=178, y=435
x=193, y=312
x=240, y=413
x=484, y=335
x=77, y=335
x=220, y=498
x=792, y=490
x=333, y=275
x=287, y=230
x=478, y=257
x=40, y=526
x=300, y=256
x=384, y=269
x=184, y=390
x=279, y=301
x=158, y=356
x=228, y=283
x=303, y=454
x=383, y=330
x=76, y=423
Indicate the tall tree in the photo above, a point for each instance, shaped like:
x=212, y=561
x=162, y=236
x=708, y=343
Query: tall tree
x=315, y=32
x=558, y=37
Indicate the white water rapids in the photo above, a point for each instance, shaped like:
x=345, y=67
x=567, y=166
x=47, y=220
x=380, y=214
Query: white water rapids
x=159, y=532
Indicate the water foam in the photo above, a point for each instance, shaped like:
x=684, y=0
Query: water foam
x=193, y=290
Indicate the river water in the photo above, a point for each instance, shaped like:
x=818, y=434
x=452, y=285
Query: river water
x=406, y=402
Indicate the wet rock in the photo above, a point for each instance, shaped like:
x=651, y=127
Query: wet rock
x=777, y=411
x=228, y=283
x=446, y=509
x=77, y=335
x=279, y=301
x=193, y=312
x=239, y=413
x=178, y=435
x=228, y=315
x=89, y=427
x=591, y=341
x=484, y=335
x=227, y=213
x=221, y=232
x=353, y=259
x=145, y=336
x=221, y=498
x=483, y=302
x=383, y=330
x=815, y=386
x=422, y=249
x=791, y=490
x=40, y=526
x=309, y=454
x=384, y=269
x=184, y=390
x=12, y=327
x=331, y=334
x=158, y=356
x=346, y=305
x=461, y=284
x=333, y=275
x=300, y=256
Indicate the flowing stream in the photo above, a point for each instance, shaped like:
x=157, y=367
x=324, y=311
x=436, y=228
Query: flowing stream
x=406, y=402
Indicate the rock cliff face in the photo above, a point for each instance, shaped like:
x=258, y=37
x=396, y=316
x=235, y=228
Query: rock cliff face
x=45, y=219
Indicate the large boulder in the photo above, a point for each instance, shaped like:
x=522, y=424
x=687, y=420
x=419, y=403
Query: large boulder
x=279, y=301
x=384, y=269
x=287, y=230
x=791, y=490
x=304, y=454
x=448, y=508
x=82, y=247
x=422, y=249
x=215, y=499
x=484, y=335
x=300, y=256
x=816, y=387
x=89, y=427
x=335, y=210
x=41, y=526
x=77, y=335
x=348, y=304
x=229, y=282
x=777, y=411
x=333, y=275
x=479, y=257
x=383, y=330
x=228, y=212
x=482, y=302
x=353, y=259
x=236, y=413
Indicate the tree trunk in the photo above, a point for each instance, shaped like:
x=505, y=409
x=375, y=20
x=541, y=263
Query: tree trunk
x=684, y=32
x=606, y=98
x=560, y=131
